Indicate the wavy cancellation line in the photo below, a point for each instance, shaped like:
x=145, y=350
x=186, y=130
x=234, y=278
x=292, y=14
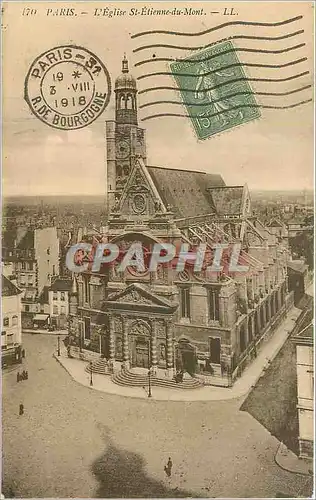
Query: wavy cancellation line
x=220, y=26
x=185, y=115
x=235, y=94
x=205, y=46
x=235, y=80
x=221, y=68
x=234, y=49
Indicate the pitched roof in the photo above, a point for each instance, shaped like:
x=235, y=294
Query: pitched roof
x=9, y=288
x=305, y=335
x=61, y=285
x=43, y=298
x=275, y=223
x=297, y=219
x=185, y=191
x=227, y=199
x=8, y=238
x=307, y=332
x=27, y=242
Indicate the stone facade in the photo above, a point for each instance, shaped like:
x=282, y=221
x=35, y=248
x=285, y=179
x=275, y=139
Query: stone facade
x=209, y=325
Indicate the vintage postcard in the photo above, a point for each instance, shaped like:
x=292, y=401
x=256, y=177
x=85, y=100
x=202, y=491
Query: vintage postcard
x=157, y=249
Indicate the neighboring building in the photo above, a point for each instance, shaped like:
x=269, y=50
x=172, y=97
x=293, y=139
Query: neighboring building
x=11, y=332
x=54, y=304
x=209, y=326
x=58, y=299
x=279, y=229
x=297, y=225
x=34, y=254
x=298, y=278
x=305, y=389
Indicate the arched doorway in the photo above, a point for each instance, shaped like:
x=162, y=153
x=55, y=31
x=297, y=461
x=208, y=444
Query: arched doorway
x=140, y=334
x=142, y=352
x=186, y=357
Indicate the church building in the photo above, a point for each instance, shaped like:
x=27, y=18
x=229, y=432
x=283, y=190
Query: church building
x=205, y=326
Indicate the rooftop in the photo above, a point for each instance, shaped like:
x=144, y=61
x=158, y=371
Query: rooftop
x=186, y=191
x=27, y=242
x=227, y=199
x=9, y=288
x=305, y=336
x=61, y=285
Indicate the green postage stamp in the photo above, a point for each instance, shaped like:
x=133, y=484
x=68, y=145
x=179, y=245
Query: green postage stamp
x=214, y=90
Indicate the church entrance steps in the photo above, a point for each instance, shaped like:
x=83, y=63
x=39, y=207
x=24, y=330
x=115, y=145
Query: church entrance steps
x=98, y=366
x=127, y=378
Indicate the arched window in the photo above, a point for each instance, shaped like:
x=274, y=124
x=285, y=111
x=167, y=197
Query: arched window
x=276, y=302
x=257, y=323
x=120, y=101
x=272, y=306
x=250, y=332
x=267, y=311
x=129, y=101
x=242, y=338
x=262, y=317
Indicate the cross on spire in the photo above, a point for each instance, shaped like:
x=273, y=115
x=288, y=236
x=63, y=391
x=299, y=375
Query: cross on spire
x=124, y=64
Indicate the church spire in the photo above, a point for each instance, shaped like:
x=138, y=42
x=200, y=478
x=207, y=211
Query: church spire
x=125, y=96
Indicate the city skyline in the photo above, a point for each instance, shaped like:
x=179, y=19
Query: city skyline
x=275, y=151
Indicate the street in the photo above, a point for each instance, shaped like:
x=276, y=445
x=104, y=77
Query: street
x=73, y=441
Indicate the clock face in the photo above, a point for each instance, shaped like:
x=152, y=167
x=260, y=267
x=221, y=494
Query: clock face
x=122, y=149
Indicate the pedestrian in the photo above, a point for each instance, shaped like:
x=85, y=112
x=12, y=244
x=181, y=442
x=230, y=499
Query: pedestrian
x=23, y=375
x=167, y=471
x=169, y=464
x=23, y=353
x=26, y=375
x=21, y=409
x=18, y=377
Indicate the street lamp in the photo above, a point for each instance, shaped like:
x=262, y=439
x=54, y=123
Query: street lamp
x=149, y=383
x=91, y=381
x=174, y=356
x=58, y=345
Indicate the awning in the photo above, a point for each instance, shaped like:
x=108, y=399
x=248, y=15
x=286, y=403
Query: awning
x=41, y=317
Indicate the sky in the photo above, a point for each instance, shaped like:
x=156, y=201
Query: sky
x=273, y=152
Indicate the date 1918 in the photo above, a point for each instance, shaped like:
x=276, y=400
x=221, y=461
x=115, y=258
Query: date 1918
x=73, y=101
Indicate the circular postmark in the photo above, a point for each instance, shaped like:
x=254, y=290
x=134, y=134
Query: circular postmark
x=67, y=87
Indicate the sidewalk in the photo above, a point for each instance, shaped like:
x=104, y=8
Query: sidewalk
x=270, y=348
x=45, y=332
x=287, y=460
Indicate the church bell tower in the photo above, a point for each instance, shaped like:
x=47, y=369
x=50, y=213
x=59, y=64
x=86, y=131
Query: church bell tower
x=125, y=141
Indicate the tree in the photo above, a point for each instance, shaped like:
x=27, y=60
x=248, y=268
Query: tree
x=303, y=245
